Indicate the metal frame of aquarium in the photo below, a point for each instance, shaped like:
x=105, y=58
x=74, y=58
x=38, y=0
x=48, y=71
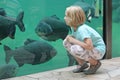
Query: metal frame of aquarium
x=107, y=27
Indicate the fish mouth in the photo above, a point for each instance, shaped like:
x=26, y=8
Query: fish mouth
x=15, y=71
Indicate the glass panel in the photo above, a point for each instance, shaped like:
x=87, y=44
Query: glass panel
x=115, y=28
x=39, y=56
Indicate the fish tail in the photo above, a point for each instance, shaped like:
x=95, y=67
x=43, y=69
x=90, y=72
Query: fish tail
x=20, y=21
x=8, y=53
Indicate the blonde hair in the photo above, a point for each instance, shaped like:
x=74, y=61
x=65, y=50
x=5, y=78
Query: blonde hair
x=77, y=15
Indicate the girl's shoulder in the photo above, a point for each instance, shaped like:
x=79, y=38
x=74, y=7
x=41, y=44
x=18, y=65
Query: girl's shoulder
x=84, y=26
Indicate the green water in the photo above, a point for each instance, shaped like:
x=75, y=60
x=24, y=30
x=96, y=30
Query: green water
x=34, y=11
x=115, y=28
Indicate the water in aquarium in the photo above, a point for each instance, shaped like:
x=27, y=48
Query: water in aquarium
x=25, y=48
x=115, y=28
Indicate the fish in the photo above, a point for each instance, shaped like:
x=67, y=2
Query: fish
x=115, y=4
x=116, y=17
x=8, y=71
x=51, y=28
x=32, y=52
x=12, y=7
x=8, y=25
x=2, y=12
x=87, y=8
x=116, y=11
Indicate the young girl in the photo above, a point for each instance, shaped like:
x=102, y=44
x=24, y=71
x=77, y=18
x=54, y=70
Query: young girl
x=84, y=44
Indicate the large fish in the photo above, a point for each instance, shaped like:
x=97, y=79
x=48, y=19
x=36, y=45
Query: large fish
x=8, y=71
x=115, y=4
x=116, y=11
x=88, y=9
x=33, y=52
x=116, y=17
x=52, y=28
x=8, y=25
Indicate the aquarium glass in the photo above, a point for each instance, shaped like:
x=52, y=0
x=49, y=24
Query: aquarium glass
x=13, y=46
x=115, y=28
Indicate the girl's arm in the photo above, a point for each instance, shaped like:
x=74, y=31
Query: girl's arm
x=87, y=44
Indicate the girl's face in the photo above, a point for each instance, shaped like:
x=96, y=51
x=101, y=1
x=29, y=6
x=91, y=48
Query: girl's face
x=67, y=19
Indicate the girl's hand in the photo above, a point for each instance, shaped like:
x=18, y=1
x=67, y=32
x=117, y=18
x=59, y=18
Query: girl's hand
x=70, y=39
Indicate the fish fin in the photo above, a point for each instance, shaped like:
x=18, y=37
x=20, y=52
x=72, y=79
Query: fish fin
x=12, y=32
x=20, y=21
x=20, y=64
x=54, y=16
x=28, y=40
x=8, y=53
x=2, y=12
